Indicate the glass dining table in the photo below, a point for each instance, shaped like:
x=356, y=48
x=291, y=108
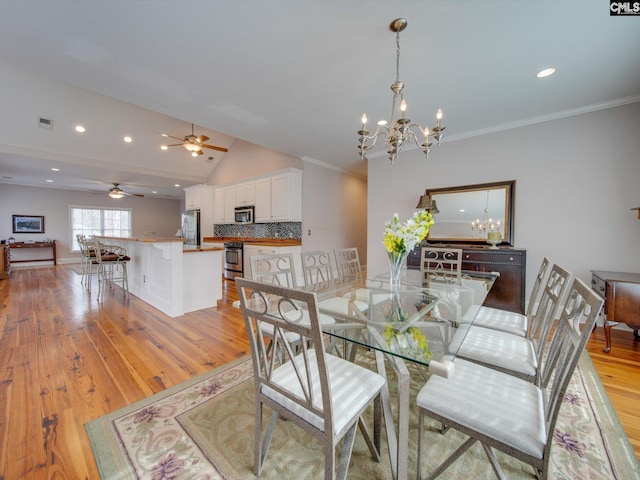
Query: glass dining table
x=422, y=320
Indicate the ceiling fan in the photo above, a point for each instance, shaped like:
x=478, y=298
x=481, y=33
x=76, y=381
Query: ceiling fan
x=193, y=144
x=117, y=192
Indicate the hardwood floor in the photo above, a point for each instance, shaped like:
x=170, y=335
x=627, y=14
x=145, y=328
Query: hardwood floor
x=65, y=360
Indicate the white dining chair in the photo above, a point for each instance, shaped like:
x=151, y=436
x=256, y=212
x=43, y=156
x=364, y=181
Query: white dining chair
x=321, y=393
x=504, y=412
x=347, y=263
x=441, y=264
x=513, y=354
x=279, y=269
x=513, y=322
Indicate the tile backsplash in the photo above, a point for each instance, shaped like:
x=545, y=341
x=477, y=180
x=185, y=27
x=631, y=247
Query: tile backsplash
x=260, y=230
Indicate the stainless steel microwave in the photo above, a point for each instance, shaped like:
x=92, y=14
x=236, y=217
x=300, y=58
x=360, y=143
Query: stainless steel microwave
x=244, y=214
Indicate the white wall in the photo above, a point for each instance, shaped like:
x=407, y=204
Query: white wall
x=576, y=180
x=334, y=209
x=148, y=214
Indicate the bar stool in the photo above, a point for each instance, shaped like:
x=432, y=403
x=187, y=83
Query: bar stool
x=112, y=267
x=88, y=261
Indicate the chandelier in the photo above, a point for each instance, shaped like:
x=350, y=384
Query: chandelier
x=400, y=132
x=487, y=224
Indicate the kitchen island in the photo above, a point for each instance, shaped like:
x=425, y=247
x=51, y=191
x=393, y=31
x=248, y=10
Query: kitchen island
x=170, y=276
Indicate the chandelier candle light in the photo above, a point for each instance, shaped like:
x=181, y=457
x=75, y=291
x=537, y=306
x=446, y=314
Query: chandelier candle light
x=399, y=133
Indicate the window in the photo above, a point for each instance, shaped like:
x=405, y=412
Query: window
x=89, y=221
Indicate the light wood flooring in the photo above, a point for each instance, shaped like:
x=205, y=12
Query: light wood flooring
x=65, y=360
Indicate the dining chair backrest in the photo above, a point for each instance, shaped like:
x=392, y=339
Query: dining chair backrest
x=441, y=263
x=538, y=288
x=554, y=289
x=347, y=263
x=275, y=269
x=316, y=267
x=578, y=315
x=282, y=309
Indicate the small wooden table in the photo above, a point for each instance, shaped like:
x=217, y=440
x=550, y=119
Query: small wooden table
x=51, y=245
x=621, y=292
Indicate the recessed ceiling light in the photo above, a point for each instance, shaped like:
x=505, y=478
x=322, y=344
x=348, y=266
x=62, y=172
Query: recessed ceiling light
x=54, y=169
x=164, y=147
x=128, y=139
x=49, y=181
x=546, y=72
x=164, y=134
x=80, y=129
x=153, y=191
x=176, y=185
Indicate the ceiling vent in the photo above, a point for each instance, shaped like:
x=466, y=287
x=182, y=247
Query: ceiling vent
x=45, y=123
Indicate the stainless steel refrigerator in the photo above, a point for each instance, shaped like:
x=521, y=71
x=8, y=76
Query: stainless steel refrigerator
x=191, y=227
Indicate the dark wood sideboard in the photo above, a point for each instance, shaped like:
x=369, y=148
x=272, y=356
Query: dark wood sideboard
x=508, y=293
x=5, y=261
x=621, y=292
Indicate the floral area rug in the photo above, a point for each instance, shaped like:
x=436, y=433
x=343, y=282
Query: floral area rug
x=204, y=429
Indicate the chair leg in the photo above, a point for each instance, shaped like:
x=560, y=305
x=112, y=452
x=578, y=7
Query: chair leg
x=345, y=455
x=262, y=445
x=452, y=458
x=494, y=462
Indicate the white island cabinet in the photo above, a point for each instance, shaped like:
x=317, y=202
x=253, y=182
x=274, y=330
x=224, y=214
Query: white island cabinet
x=170, y=276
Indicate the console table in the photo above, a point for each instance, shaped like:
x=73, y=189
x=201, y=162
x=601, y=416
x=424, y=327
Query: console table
x=621, y=293
x=49, y=245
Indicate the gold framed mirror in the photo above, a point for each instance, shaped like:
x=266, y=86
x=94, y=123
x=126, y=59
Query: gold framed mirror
x=467, y=213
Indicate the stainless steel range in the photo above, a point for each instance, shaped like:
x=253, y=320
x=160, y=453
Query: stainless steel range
x=233, y=261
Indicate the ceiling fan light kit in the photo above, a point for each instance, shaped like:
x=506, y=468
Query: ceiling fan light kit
x=192, y=144
x=117, y=192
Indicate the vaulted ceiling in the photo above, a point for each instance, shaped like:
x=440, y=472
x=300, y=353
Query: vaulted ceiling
x=292, y=76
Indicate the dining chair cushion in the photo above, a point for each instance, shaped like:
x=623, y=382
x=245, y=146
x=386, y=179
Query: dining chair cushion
x=113, y=257
x=352, y=388
x=483, y=400
x=503, y=320
x=341, y=305
x=500, y=349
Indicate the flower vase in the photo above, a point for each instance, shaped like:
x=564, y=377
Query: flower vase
x=396, y=263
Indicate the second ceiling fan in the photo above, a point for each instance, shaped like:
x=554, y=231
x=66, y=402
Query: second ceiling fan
x=193, y=144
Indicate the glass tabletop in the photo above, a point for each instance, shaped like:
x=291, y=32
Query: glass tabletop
x=424, y=318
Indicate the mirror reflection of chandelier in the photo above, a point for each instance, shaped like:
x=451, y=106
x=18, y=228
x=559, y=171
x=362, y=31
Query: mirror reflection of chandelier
x=399, y=133
x=487, y=224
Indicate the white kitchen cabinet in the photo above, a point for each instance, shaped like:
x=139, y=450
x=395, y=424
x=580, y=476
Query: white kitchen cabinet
x=279, y=198
x=201, y=197
x=246, y=194
x=262, y=212
x=218, y=205
x=229, y=204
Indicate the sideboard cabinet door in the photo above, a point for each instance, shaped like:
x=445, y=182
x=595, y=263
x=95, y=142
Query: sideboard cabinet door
x=508, y=293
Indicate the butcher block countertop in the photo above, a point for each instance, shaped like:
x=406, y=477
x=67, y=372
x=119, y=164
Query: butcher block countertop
x=268, y=242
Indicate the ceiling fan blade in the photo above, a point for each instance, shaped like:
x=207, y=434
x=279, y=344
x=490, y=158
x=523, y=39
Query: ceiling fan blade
x=135, y=194
x=213, y=147
x=176, y=145
x=171, y=136
x=202, y=139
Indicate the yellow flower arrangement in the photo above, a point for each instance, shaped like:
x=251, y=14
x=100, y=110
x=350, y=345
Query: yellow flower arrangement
x=402, y=238
x=410, y=342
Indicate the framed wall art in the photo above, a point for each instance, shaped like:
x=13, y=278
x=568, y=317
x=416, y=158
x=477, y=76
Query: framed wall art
x=28, y=223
